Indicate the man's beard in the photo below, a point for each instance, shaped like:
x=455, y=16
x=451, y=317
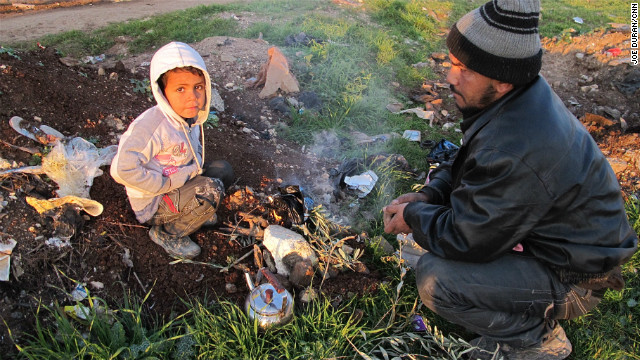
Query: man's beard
x=488, y=97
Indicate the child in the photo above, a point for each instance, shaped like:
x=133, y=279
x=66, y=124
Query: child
x=160, y=156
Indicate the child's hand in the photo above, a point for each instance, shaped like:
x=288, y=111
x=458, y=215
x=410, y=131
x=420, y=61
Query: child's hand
x=169, y=170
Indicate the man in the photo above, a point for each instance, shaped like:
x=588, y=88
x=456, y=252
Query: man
x=527, y=225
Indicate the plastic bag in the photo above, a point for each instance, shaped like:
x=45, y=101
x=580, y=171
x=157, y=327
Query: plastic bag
x=443, y=151
x=73, y=164
x=290, y=205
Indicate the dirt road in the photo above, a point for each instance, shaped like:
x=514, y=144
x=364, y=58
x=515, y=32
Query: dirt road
x=31, y=25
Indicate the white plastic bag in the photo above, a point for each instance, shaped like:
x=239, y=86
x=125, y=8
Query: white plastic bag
x=74, y=163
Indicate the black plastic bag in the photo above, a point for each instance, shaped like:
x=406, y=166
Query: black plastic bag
x=289, y=205
x=443, y=151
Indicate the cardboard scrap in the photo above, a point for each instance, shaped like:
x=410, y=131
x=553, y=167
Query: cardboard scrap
x=6, y=248
x=91, y=207
x=364, y=182
x=274, y=74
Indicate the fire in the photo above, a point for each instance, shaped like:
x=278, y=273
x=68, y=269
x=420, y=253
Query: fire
x=278, y=219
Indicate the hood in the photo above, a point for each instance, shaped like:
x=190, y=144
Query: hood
x=171, y=56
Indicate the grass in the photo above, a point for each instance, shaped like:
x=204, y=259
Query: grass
x=352, y=67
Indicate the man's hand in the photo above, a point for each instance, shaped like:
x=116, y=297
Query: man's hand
x=410, y=197
x=393, y=218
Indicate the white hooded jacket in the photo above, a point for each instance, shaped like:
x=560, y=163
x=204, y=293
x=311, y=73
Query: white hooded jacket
x=160, y=152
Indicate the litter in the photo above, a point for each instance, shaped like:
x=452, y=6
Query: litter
x=411, y=135
x=421, y=113
x=578, y=20
x=42, y=134
x=91, y=207
x=79, y=293
x=418, y=323
x=614, y=52
x=93, y=59
x=6, y=248
x=274, y=74
x=443, y=151
x=78, y=311
x=74, y=164
x=290, y=205
x=364, y=182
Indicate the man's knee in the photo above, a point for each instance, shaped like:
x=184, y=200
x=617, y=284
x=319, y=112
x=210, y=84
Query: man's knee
x=432, y=275
x=220, y=169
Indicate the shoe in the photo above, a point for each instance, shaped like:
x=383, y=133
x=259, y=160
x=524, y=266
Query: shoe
x=485, y=348
x=211, y=222
x=181, y=247
x=554, y=346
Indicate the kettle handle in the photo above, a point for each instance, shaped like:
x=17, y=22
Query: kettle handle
x=272, y=280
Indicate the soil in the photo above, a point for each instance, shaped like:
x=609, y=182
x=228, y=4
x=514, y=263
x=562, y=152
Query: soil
x=112, y=254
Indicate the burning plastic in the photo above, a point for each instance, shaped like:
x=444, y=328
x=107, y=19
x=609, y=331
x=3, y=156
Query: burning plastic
x=288, y=206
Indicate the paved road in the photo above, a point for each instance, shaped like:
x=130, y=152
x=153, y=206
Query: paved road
x=32, y=25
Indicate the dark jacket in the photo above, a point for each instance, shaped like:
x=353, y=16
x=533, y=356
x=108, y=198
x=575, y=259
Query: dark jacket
x=527, y=173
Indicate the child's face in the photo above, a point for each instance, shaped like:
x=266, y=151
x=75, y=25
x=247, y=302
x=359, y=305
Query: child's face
x=185, y=92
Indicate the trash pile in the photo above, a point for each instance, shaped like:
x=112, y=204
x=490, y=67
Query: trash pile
x=72, y=163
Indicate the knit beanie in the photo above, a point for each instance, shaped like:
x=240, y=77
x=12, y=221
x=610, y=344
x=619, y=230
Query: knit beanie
x=500, y=40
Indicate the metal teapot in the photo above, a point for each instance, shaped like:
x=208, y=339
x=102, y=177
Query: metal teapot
x=270, y=303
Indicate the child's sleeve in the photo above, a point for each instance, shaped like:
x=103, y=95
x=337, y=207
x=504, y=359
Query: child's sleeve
x=130, y=167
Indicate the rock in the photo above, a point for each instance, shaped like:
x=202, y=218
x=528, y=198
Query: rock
x=386, y=247
x=448, y=126
x=281, y=242
x=231, y=288
x=308, y=295
x=614, y=113
x=278, y=104
x=394, y=107
x=293, y=102
x=227, y=58
x=300, y=270
x=590, y=118
x=618, y=165
x=439, y=56
x=310, y=100
x=361, y=268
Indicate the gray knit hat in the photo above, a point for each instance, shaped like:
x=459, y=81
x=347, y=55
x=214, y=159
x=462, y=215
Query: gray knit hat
x=500, y=40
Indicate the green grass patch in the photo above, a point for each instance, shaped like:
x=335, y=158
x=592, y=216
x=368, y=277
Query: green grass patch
x=557, y=16
x=188, y=26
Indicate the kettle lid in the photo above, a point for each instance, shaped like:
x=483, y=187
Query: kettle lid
x=266, y=301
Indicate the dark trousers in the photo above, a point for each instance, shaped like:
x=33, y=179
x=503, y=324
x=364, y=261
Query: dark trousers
x=512, y=300
x=184, y=210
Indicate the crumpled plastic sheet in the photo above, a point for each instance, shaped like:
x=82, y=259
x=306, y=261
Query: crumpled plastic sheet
x=74, y=164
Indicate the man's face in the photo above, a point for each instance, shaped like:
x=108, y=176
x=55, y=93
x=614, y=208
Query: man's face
x=185, y=92
x=471, y=90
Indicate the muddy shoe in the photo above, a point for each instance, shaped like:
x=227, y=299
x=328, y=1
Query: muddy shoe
x=181, y=247
x=554, y=346
x=211, y=222
x=485, y=349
